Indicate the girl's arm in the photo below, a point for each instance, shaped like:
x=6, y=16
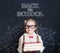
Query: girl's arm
x=42, y=47
x=19, y=49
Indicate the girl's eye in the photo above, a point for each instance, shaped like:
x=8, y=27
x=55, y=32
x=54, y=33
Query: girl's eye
x=30, y=26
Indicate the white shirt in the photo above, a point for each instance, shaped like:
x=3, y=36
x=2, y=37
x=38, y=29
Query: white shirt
x=27, y=39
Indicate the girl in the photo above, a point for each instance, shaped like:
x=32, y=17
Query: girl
x=30, y=36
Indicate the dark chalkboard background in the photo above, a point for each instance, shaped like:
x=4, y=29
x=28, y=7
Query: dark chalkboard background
x=11, y=25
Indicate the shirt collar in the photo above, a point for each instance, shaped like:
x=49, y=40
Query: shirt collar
x=33, y=34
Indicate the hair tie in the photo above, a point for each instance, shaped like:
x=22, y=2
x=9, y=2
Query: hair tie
x=25, y=21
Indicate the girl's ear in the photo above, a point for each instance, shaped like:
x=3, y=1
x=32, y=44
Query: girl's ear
x=35, y=29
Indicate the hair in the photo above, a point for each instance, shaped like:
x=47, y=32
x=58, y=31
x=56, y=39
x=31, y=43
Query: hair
x=28, y=19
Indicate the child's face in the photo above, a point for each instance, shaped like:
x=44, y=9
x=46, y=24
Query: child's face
x=30, y=27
